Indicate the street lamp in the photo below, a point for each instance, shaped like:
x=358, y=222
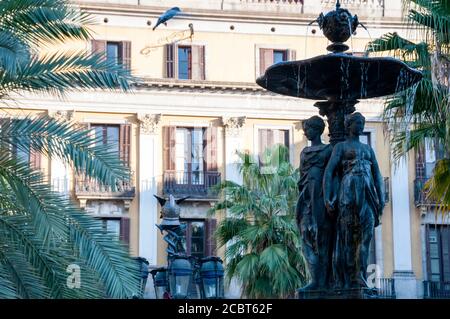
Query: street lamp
x=211, y=278
x=160, y=282
x=180, y=273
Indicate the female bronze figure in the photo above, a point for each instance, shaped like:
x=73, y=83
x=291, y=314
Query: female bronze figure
x=312, y=219
x=359, y=201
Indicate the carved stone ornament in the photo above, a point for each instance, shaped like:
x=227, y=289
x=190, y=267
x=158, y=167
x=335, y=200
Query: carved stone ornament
x=62, y=115
x=233, y=125
x=149, y=123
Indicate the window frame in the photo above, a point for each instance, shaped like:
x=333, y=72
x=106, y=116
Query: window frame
x=439, y=235
x=189, y=61
x=119, y=51
x=290, y=52
x=104, y=127
x=188, y=234
x=289, y=128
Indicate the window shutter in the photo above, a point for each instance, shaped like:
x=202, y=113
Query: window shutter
x=210, y=240
x=99, y=47
x=292, y=55
x=35, y=159
x=126, y=54
x=265, y=59
x=211, y=149
x=125, y=143
x=169, y=147
x=125, y=229
x=198, y=62
x=169, y=55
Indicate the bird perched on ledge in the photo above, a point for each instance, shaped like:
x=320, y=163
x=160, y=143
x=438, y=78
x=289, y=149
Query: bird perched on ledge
x=166, y=16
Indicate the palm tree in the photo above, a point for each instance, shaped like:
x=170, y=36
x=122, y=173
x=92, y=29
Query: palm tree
x=263, y=249
x=421, y=114
x=44, y=236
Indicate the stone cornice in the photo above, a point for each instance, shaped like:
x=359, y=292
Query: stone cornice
x=222, y=15
x=202, y=86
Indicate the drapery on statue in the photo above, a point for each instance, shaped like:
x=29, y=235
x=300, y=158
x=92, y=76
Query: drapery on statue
x=359, y=203
x=314, y=223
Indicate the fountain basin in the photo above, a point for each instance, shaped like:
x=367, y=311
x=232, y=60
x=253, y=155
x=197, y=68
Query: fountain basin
x=339, y=77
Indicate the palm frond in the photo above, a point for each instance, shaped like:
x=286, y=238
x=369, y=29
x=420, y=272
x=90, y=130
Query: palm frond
x=72, y=144
x=58, y=72
x=44, y=22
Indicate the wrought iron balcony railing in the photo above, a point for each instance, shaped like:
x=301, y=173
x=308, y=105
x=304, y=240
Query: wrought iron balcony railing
x=436, y=289
x=92, y=188
x=194, y=184
x=420, y=195
x=386, y=288
x=61, y=185
x=350, y=4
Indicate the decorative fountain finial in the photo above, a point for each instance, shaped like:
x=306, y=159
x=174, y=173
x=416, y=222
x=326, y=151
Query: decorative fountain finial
x=338, y=5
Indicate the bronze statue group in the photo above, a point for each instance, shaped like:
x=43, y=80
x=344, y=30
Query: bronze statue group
x=340, y=203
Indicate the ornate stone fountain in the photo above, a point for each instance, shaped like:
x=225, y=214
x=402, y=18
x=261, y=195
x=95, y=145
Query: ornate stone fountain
x=341, y=188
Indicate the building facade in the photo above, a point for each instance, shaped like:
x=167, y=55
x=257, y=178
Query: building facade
x=198, y=105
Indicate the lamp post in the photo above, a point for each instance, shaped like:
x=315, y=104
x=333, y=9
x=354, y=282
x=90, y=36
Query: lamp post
x=211, y=278
x=173, y=281
x=160, y=282
x=180, y=274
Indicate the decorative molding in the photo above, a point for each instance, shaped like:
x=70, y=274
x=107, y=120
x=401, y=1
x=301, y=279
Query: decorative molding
x=126, y=205
x=233, y=125
x=61, y=115
x=149, y=123
x=83, y=203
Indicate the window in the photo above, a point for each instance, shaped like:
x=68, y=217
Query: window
x=199, y=237
x=23, y=153
x=115, y=137
x=279, y=56
x=268, y=138
x=116, y=52
x=438, y=252
x=268, y=57
x=118, y=226
x=189, y=157
x=107, y=135
x=366, y=138
x=195, y=238
x=185, y=62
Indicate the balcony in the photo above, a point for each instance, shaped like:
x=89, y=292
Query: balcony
x=386, y=288
x=420, y=195
x=86, y=187
x=192, y=184
x=436, y=289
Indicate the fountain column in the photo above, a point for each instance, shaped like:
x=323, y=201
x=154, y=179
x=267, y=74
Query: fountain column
x=336, y=111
